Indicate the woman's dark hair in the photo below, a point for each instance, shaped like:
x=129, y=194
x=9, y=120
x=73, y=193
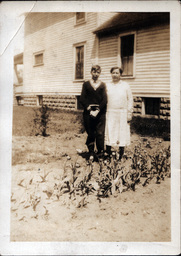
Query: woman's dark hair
x=95, y=67
x=120, y=70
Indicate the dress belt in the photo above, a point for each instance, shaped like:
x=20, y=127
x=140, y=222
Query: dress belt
x=117, y=110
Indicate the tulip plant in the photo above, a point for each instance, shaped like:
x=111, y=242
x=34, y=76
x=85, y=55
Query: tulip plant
x=110, y=175
x=106, y=177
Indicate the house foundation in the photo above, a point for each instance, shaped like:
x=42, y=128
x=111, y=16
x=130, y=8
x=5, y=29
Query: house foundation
x=158, y=107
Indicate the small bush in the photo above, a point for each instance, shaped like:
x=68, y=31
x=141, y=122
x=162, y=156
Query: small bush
x=65, y=121
x=151, y=127
x=41, y=120
x=59, y=121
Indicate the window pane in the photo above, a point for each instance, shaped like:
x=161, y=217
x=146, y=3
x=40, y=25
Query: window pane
x=127, y=63
x=125, y=66
x=152, y=106
x=79, y=65
x=39, y=59
x=127, y=45
x=130, y=65
x=80, y=16
x=79, y=105
x=40, y=100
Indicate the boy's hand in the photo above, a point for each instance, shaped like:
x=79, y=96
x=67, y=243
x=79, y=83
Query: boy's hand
x=88, y=108
x=94, y=113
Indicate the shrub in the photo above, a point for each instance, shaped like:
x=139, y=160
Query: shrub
x=151, y=126
x=41, y=120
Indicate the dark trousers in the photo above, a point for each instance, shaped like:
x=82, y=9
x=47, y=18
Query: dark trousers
x=95, y=128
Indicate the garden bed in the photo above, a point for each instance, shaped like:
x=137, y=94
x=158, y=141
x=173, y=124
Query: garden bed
x=49, y=204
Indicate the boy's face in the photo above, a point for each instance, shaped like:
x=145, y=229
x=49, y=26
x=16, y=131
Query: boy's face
x=95, y=74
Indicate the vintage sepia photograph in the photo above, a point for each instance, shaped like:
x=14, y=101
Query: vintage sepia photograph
x=91, y=135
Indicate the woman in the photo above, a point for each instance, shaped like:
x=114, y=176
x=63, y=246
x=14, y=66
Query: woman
x=119, y=112
x=94, y=100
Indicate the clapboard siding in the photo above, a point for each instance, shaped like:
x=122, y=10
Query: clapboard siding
x=108, y=49
x=152, y=61
x=152, y=70
x=104, y=16
x=57, y=41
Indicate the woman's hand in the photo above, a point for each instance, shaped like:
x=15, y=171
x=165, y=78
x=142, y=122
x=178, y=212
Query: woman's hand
x=129, y=117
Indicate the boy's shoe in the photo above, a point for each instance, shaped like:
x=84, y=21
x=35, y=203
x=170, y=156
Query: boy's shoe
x=91, y=156
x=108, y=150
x=97, y=156
x=107, y=155
x=100, y=153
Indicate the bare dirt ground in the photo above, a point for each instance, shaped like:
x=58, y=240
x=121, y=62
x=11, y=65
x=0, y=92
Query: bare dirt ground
x=143, y=215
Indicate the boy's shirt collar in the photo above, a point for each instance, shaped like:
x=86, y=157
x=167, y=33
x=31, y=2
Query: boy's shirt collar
x=94, y=84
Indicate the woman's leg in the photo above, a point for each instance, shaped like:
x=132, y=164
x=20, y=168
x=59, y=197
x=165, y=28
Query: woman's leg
x=108, y=150
x=121, y=152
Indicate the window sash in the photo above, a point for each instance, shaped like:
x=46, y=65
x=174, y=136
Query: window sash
x=152, y=106
x=79, y=64
x=127, y=63
x=80, y=17
x=39, y=59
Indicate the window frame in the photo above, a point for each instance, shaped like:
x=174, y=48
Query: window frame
x=74, y=61
x=34, y=58
x=78, y=105
x=134, y=53
x=144, y=107
x=39, y=100
x=81, y=21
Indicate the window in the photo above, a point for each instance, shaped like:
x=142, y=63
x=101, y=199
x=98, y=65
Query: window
x=79, y=62
x=80, y=17
x=39, y=100
x=19, y=73
x=127, y=54
x=78, y=105
x=38, y=59
x=152, y=106
x=19, y=100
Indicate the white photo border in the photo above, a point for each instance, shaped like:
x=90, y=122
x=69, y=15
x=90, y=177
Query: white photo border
x=13, y=11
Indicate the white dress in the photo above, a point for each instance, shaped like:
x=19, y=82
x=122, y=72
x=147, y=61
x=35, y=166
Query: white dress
x=119, y=107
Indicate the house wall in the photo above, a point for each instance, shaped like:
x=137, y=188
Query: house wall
x=152, y=66
x=56, y=35
x=104, y=16
x=152, y=74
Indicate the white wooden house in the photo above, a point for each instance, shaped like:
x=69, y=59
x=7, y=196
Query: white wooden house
x=60, y=48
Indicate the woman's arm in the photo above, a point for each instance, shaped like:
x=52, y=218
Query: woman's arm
x=103, y=102
x=129, y=103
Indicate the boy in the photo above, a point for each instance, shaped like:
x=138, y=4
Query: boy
x=94, y=100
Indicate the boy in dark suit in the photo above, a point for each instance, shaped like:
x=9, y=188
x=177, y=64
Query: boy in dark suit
x=94, y=100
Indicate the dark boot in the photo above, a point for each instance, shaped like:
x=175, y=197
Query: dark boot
x=91, y=149
x=100, y=153
x=108, y=150
x=121, y=152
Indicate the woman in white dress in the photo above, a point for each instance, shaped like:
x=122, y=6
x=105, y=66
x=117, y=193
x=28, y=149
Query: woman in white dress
x=119, y=112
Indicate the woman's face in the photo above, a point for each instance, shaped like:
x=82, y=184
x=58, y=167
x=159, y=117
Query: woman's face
x=116, y=76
